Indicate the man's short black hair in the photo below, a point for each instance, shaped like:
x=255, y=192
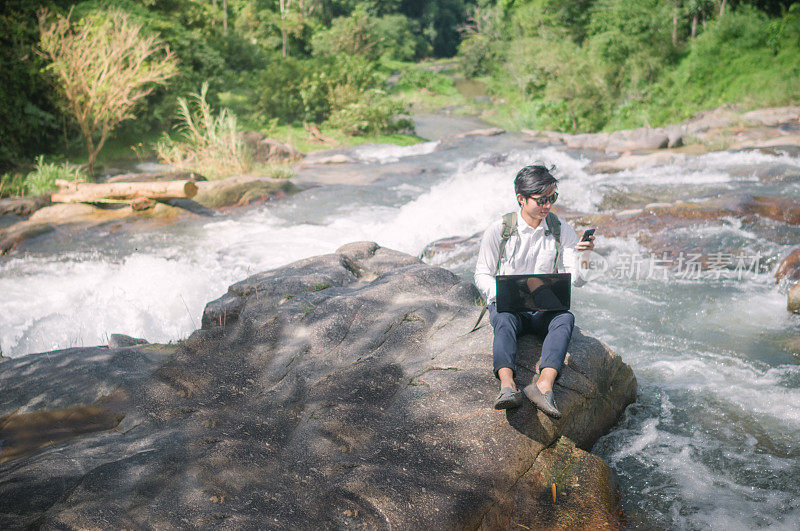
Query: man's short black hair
x=534, y=179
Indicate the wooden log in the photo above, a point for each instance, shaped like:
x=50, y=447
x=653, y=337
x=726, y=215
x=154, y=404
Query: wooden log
x=97, y=193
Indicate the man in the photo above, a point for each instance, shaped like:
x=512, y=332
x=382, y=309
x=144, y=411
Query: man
x=530, y=249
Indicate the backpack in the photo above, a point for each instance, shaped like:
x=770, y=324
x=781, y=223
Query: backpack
x=509, y=228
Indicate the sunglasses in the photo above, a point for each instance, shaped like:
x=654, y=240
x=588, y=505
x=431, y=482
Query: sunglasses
x=544, y=200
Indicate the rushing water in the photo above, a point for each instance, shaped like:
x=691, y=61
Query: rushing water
x=711, y=442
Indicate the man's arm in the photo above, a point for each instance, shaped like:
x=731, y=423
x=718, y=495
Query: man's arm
x=573, y=251
x=485, y=269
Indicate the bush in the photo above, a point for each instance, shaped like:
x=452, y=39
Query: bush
x=398, y=38
x=415, y=78
x=12, y=185
x=476, y=55
x=311, y=89
x=374, y=114
x=209, y=143
x=43, y=178
x=352, y=35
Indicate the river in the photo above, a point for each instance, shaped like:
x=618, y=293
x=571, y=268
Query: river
x=711, y=442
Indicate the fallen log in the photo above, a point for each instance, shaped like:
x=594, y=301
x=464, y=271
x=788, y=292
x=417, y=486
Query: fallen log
x=72, y=192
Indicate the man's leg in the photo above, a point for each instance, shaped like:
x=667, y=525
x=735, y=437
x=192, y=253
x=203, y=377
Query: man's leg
x=504, y=347
x=556, y=327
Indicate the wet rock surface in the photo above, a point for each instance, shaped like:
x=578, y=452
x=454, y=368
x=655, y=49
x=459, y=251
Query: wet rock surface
x=344, y=390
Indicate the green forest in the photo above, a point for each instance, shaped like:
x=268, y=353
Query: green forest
x=353, y=70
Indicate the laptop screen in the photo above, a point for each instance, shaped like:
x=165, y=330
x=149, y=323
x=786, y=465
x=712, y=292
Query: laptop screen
x=517, y=293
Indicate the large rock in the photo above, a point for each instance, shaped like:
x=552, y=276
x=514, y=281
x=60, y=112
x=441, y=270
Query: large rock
x=630, y=162
x=23, y=206
x=266, y=150
x=789, y=267
x=642, y=138
x=773, y=116
x=242, y=190
x=793, y=298
x=339, y=391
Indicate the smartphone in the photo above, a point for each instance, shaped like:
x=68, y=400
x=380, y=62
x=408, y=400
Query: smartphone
x=586, y=234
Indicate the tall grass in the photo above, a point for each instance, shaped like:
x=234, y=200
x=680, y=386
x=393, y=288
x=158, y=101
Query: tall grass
x=12, y=184
x=44, y=175
x=205, y=142
x=39, y=181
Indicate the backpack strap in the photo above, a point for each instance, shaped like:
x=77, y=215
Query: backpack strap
x=509, y=228
x=554, y=225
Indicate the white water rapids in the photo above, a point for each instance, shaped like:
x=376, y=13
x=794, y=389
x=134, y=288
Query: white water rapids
x=711, y=442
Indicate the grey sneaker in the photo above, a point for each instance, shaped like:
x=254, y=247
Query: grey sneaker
x=543, y=401
x=508, y=399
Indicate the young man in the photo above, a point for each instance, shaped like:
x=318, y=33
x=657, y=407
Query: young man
x=530, y=249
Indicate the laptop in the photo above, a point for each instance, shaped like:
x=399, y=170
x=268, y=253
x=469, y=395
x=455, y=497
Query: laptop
x=546, y=292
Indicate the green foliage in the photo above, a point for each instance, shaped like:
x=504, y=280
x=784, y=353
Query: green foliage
x=207, y=142
x=44, y=175
x=374, y=114
x=12, y=185
x=400, y=39
x=732, y=61
x=415, y=78
x=477, y=55
x=353, y=35
x=607, y=64
x=311, y=89
x=30, y=120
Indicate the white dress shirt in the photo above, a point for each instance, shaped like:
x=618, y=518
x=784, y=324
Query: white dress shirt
x=528, y=251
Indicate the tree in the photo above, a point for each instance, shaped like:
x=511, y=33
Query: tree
x=104, y=66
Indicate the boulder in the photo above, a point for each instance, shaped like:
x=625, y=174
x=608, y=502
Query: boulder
x=13, y=235
x=793, y=298
x=344, y=390
x=488, y=131
x=789, y=267
x=635, y=139
x=75, y=213
x=596, y=141
x=674, y=134
x=23, y=206
x=266, y=150
x=121, y=341
x=242, y=190
x=783, y=209
x=553, y=137
x=772, y=116
x=630, y=162
x=325, y=158
x=723, y=116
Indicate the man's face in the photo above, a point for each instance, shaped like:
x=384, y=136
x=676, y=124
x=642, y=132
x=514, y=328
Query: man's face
x=534, y=210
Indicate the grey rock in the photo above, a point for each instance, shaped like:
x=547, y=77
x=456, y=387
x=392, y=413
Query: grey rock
x=633, y=139
x=23, y=206
x=597, y=141
x=675, y=135
x=121, y=340
x=71, y=377
x=267, y=150
x=772, y=116
x=347, y=392
x=488, y=131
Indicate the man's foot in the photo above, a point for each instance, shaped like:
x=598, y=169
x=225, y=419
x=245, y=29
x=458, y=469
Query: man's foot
x=508, y=399
x=543, y=401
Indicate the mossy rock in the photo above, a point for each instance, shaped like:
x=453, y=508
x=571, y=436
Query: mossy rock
x=242, y=191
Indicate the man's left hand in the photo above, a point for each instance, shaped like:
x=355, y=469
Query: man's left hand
x=585, y=245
